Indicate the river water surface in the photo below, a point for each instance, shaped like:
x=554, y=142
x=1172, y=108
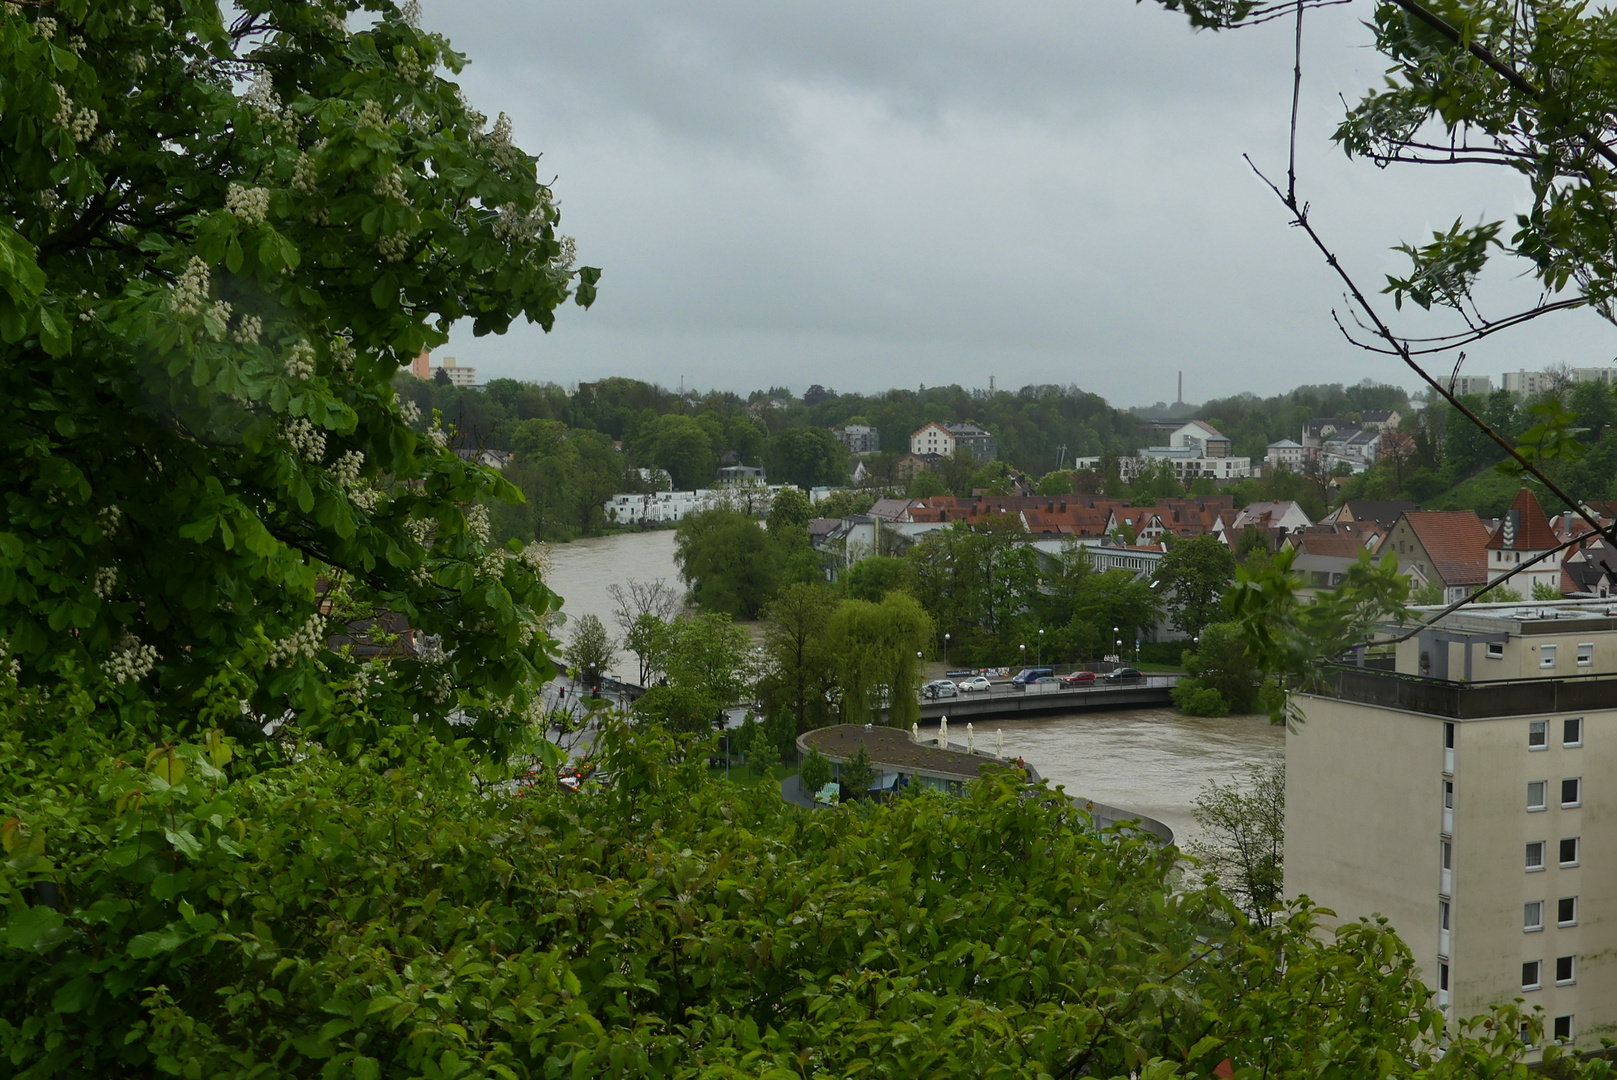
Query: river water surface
x=1154, y=761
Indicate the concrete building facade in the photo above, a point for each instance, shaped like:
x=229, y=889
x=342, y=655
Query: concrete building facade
x=1463, y=796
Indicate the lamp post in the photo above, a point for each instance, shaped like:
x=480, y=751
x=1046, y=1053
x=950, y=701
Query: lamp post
x=1117, y=645
x=1023, y=654
x=1040, y=659
x=945, y=650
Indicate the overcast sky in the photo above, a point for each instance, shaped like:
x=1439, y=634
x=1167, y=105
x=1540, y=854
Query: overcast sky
x=867, y=195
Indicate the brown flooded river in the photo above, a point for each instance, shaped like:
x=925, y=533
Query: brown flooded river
x=1154, y=761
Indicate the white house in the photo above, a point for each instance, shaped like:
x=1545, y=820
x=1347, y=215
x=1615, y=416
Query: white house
x=1285, y=452
x=943, y=439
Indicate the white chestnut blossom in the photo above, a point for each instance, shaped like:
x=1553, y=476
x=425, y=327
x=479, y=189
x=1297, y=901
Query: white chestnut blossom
x=390, y=185
x=410, y=412
x=438, y=437
x=365, y=498
x=371, y=115
x=410, y=12
x=217, y=318
x=106, y=580
x=8, y=663
x=83, y=126
x=394, y=247
x=105, y=144
x=304, y=174
x=346, y=469
x=308, y=441
x=110, y=517
x=409, y=65
x=248, y=330
x=248, y=203
x=342, y=353
x=477, y=523
x=536, y=557
x=307, y=640
x=422, y=530
x=45, y=27
x=131, y=662
x=64, y=106
x=191, y=289
x=300, y=361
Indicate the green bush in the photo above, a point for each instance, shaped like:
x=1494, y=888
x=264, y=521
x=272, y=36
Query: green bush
x=1198, y=700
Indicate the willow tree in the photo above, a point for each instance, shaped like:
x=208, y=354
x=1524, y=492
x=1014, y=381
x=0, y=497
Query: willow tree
x=225, y=229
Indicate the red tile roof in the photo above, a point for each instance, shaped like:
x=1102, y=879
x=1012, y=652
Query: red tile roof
x=1524, y=526
x=1456, y=541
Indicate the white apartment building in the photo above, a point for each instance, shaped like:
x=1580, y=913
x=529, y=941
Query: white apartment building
x=1464, y=796
x=1473, y=384
x=944, y=439
x=1286, y=452
x=459, y=374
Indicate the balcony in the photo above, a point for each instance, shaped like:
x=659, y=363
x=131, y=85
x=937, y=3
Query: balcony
x=1467, y=700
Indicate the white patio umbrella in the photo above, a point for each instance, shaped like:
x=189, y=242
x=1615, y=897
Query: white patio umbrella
x=943, y=733
x=999, y=742
x=971, y=741
x=915, y=733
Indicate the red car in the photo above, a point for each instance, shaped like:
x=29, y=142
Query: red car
x=1078, y=678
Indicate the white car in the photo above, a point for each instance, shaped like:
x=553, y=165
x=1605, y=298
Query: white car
x=976, y=682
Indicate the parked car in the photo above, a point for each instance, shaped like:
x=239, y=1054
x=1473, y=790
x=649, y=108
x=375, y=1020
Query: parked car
x=940, y=688
x=1043, y=680
x=1027, y=675
x=1078, y=678
x=976, y=682
x=1125, y=674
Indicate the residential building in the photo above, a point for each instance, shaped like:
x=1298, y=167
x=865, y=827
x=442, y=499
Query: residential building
x=1481, y=385
x=1462, y=796
x=1323, y=558
x=1380, y=419
x=1607, y=375
x=1286, y=516
x=936, y=440
x=1287, y=453
x=859, y=438
x=1523, y=535
x=1201, y=436
x=421, y=366
x=494, y=459
x=1316, y=431
x=1357, y=448
x=459, y=374
x=1384, y=512
x=1528, y=383
x=1448, y=547
x=741, y=474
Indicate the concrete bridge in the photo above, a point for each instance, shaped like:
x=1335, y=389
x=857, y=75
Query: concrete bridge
x=1005, y=701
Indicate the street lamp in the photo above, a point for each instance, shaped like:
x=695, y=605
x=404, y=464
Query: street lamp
x=1040, y=659
x=945, y=650
x=1023, y=647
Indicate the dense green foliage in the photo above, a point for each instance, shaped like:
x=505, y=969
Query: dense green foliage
x=220, y=241
x=1195, y=571
x=328, y=917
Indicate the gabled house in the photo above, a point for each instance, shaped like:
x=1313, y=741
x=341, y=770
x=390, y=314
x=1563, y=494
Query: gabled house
x=1384, y=512
x=1446, y=547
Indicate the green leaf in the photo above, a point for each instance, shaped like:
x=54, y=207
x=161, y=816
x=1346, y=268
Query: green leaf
x=156, y=942
x=35, y=929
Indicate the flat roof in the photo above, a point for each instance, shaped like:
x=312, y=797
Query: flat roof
x=1528, y=616
x=892, y=746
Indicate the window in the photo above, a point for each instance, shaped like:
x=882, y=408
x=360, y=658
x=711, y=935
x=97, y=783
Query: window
x=1563, y=1029
x=1442, y=976
x=1535, y=854
x=1442, y=914
x=1448, y=736
x=1448, y=855
x=1572, y=791
x=1566, y=911
x=1569, y=851
x=1572, y=731
x=1586, y=654
x=1535, y=794
x=1538, y=737
x=1496, y=650
x=1563, y=971
x=1448, y=794
x=1532, y=975
x=1546, y=656
x=1533, y=916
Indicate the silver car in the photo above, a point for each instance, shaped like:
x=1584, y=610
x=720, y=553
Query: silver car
x=976, y=682
x=939, y=688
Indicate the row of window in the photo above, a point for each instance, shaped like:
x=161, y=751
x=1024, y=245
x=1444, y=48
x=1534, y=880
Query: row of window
x=1566, y=914
x=1533, y=973
x=1570, y=733
x=1571, y=793
x=1568, y=853
x=1547, y=653
x=1538, y=735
